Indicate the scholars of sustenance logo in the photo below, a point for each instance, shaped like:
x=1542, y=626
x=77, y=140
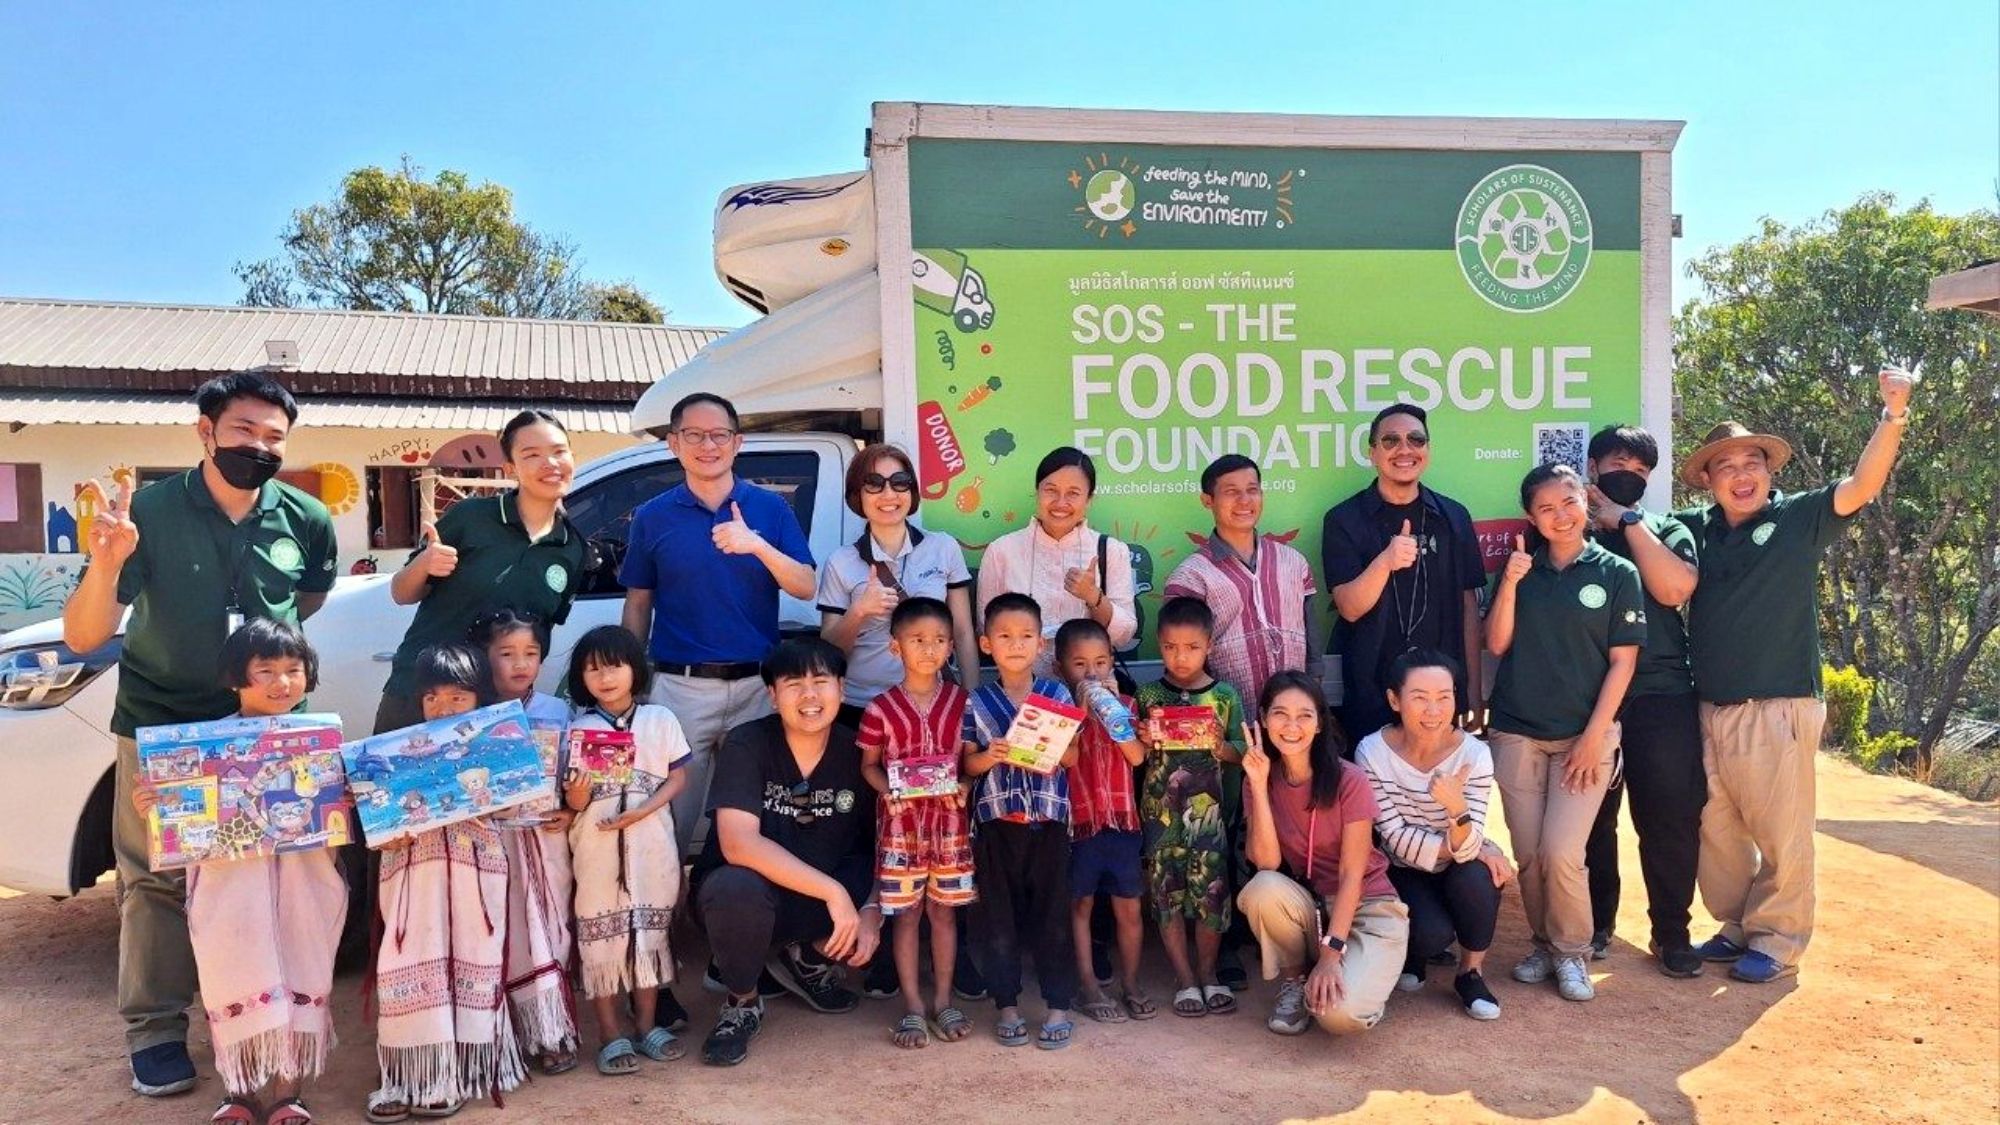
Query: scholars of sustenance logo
x=1524, y=238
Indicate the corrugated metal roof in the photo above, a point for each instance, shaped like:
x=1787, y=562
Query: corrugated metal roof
x=41, y=409
x=73, y=338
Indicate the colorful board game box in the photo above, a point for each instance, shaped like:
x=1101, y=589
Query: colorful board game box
x=238, y=788
x=445, y=771
x=923, y=775
x=1176, y=729
x=1041, y=732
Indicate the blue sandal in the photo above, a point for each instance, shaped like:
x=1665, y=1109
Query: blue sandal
x=617, y=1058
x=1011, y=1033
x=1055, y=1036
x=662, y=1045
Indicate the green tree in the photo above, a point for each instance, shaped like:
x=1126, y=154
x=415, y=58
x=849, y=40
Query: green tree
x=394, y=240
x=625, y=303
x=1786, y=337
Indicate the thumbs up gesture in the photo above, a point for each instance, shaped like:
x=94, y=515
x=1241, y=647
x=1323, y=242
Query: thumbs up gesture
x=1401, y=553
x=439, y=558
x=113, y=535
x=734, y=536
x=876, y=600
x=1518, y=562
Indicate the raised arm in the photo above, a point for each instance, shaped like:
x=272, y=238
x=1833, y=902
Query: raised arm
x=1862, y=486
x=92, y=613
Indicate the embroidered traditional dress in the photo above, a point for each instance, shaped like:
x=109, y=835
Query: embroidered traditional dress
x=628, y=881
x=539, y=941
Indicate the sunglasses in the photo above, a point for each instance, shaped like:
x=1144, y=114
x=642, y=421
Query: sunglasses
x=800, y=798
x=1417, y=439
x=874, y=483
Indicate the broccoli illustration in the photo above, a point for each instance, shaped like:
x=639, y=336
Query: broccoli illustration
x=999, y=443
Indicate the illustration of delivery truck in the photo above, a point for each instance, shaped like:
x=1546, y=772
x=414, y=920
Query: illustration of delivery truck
x=944, y=283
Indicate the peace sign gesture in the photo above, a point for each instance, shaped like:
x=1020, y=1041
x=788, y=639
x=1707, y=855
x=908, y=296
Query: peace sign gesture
x=113, y=535
x=1256, y=760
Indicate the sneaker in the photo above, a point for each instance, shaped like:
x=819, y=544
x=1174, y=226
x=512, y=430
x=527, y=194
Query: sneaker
x=1535, y=967
x=1288, y=1015
x=768, y=988
x=668, y=1012
x=1677, y=960
x=1600, y=945
x=813, y=980
x=1573, y=979
x=735, y=1026
x=1719, y=948
x=162, y=1069
x=1412, y=979
x=1760, y=968
x=881, y=982
x=1479, y=1001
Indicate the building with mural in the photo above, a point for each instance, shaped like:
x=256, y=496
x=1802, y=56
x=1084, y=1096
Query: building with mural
x=95, y=394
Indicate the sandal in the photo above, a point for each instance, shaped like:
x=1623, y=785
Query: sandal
x=617, y=1057
x=385, y=1108
x=235, y=1111
x=287, y=1111
x=440, y=1110
x=1055, y=1036
x=1140, y=1006
x=1011, y=1033
x=1218, y=998
x=910, y=1032
x=662, y=1045
x=1188, y=1002
x=950, y=1025
x=1102, y=1010
x=558, y=1062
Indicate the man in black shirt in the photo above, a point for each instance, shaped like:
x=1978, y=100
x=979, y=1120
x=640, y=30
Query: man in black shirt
x=1403, y=565
x=790, y=863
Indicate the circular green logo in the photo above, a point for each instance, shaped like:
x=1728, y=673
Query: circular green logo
x=1763, y=533
x=1109, y=195
x=556, y=577
x=285, y=555
x=1592, y=596
x=1523, y=238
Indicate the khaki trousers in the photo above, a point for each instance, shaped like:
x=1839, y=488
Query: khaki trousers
x=708, y=710
x=1549, y=827
x=1282, y=913
x=156, y=972
x=1756, y=868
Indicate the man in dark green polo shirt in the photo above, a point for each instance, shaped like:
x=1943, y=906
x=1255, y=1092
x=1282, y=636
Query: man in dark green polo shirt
x=193, y=555
x=1662, y=729
x=1754, y=623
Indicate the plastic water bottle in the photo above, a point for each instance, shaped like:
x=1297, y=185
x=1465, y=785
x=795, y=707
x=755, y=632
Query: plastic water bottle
x=1116, y=717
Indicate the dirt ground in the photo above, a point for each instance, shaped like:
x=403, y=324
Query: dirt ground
x=1896, y=1017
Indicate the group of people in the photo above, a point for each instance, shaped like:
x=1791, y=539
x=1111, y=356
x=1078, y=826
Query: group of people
x=1233, y=803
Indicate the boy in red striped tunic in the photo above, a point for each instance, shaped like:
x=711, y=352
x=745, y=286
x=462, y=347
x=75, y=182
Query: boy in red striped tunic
x=923, y=863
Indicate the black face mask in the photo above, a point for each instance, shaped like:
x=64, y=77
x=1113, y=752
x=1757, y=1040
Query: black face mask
x=1622, y=487
x=246, y=467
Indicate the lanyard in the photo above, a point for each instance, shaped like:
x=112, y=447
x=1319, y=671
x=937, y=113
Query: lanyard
x=232, y=549
x=1312, y=836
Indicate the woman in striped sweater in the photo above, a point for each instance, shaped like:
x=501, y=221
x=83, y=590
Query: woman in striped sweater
x=1431, y=783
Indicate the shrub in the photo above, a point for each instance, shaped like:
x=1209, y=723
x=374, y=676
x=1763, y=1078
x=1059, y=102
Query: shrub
x=1848, y=695
x=1884, y=753
x=1973, y=773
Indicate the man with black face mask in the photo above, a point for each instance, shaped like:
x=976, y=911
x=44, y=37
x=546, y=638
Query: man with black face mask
x=1662, y=727
x=194, y=555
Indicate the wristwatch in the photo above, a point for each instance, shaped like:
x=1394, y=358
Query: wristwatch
x=1902, y=419
x=1463, y=818
x=1628, y=517
x=1338, y=945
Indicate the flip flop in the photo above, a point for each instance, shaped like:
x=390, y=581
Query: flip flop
x=1140, y=1006
x=1055, y=1036
x=662, y=1045
x=1011, y=1033
x=950, y=1025
x=1188, y=1003
x=1218, y=998
x=617, y=1058
x=913, y=1028
x=1102, y=1010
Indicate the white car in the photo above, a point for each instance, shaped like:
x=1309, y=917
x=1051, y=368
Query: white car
x=56, y=748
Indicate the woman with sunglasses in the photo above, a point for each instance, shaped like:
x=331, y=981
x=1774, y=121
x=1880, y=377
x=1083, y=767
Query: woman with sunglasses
x=891, y=561
x=1069, y=568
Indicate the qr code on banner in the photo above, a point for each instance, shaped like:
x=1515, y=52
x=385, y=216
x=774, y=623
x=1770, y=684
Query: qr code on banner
x=1561, y=443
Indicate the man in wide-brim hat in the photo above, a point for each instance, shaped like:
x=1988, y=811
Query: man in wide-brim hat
x=1754, y=624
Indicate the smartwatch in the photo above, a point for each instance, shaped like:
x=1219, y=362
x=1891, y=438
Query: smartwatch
x=1463, y=818
x=1338, y=945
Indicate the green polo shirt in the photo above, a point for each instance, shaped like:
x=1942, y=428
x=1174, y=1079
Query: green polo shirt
x=1663, y=666
x=192, y=563
x=498, y=565
x=1566, y=622
x=1754, y=620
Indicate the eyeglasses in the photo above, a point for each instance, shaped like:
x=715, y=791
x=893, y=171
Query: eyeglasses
x=717, y=438
x=800, y=798
x=1417, y=439
x=874, y=483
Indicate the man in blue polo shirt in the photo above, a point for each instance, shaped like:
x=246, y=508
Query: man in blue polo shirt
x=718, y=550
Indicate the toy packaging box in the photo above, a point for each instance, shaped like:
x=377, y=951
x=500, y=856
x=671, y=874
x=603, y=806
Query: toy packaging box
x=445, y=771
x=237, y=788
x=923, y=775
x=1041, y=733
x=1176, y=729
x=605, y=757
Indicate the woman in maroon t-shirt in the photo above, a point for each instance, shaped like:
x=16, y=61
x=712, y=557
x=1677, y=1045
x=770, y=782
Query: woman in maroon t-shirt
x=1322, y=907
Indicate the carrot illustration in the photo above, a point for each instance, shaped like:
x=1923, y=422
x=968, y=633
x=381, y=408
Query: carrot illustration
x=979, y=394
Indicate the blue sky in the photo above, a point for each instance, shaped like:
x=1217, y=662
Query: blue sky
x=147, y=148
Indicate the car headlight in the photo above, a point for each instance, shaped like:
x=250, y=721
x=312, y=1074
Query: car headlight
x=33, y=679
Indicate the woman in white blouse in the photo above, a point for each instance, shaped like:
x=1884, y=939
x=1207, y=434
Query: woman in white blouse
x=1432, y=782
x=1070, y=570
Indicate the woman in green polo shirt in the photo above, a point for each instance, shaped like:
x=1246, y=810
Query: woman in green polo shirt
x=1567, y=623
x=516, y=550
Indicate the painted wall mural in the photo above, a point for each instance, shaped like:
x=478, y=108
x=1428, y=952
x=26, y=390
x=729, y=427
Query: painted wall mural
x=34, y=587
